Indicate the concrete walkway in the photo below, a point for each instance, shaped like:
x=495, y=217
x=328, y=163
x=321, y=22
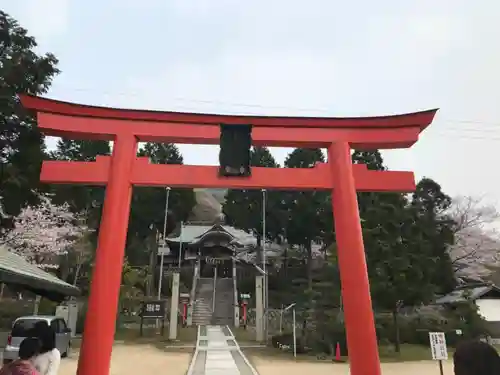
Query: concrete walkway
x=218, y=353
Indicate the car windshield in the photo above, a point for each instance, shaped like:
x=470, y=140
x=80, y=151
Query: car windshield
x=25, y=328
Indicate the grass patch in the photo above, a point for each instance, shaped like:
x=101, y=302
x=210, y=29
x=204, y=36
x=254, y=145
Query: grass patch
x=243, y=336
x=185, y=336
x=408, y=353
x=387, y=354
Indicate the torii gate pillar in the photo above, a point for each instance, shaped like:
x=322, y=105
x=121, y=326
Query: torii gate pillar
x=358, y=312
x=100, y=322
x=124, y=169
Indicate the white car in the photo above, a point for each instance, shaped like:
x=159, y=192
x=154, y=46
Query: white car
x=23, y=327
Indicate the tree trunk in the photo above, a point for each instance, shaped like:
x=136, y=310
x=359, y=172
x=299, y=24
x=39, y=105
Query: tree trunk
x=77, y=273
x=397, y=343
x=309, y=287
x=64, y=267
x=285, y=261
x=309, y=266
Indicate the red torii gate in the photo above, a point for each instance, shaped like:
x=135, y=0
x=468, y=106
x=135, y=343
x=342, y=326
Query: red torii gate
x=123, y=169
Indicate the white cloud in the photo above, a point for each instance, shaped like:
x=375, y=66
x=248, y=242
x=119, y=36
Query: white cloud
x=45, y=19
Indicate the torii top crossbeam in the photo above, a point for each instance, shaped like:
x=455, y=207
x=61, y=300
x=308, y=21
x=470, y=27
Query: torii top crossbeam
x=68, y=119
x=77, y=121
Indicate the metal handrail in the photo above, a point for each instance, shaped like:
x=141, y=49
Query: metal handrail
x=215, y=286
x=235, y=289
x=196, y=276
x=192, y=294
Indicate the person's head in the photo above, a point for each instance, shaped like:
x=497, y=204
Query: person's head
x=47, y=337
x=476, y=358
x=29, y=348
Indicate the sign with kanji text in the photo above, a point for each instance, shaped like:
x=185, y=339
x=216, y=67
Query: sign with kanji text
x=153, y=309
x=438, y=346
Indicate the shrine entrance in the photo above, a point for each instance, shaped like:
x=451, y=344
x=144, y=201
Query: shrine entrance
x=216, y=267
x=124, y=169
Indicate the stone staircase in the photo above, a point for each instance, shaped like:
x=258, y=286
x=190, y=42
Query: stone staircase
x=202, y=309
x=224, y=303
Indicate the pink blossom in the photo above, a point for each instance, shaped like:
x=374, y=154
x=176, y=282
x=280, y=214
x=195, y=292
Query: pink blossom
x=44, y=231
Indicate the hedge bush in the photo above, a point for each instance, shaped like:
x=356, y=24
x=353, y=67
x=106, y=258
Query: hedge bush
x=11, y=309
x=413, y=329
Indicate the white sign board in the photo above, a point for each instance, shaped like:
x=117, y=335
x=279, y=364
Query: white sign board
x=438, y=346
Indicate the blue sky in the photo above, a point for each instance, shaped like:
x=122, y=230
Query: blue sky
x=291, y=57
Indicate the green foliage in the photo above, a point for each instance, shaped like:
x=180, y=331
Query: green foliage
x=309, y=213
x=81, y=198
x=22, y=71
x=436, y=231
x=415, y=328
x=404, y=241
x=467, y=318
x=148, y=206
x=243, y=208
x=133, y=281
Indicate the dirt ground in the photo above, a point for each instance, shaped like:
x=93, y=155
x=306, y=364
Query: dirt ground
x=143, y=359
x=137, y=359
x=273, y=366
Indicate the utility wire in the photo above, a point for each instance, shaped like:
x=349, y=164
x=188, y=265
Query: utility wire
x=482, y=133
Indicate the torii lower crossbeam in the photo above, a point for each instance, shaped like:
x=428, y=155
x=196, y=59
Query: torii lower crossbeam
x=124, y=169
x=145, y=174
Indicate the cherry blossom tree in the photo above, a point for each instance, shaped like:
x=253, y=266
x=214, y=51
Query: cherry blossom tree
x=43, y=232
x=477, y=243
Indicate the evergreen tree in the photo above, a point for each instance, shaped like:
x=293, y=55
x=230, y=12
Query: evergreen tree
x=243, y=208
x=309, y=212
x=405, y=243
x=148, y=206
x=430, y=205
x=309, y=221
x=87, y=199
x=22, y=71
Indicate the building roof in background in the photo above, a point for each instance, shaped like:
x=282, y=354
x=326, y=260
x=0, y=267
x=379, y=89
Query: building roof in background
x=470, y=293
x=193, y=234
x=15, y=270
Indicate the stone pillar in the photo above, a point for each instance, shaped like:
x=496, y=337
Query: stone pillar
x=174, y=307
x=259, y=308
x=36, y=305
x=192, y=299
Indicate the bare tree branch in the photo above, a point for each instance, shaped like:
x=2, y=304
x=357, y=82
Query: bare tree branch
x=477, y=244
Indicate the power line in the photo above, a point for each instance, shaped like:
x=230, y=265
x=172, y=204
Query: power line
x=133, y=93
x=478, y=134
